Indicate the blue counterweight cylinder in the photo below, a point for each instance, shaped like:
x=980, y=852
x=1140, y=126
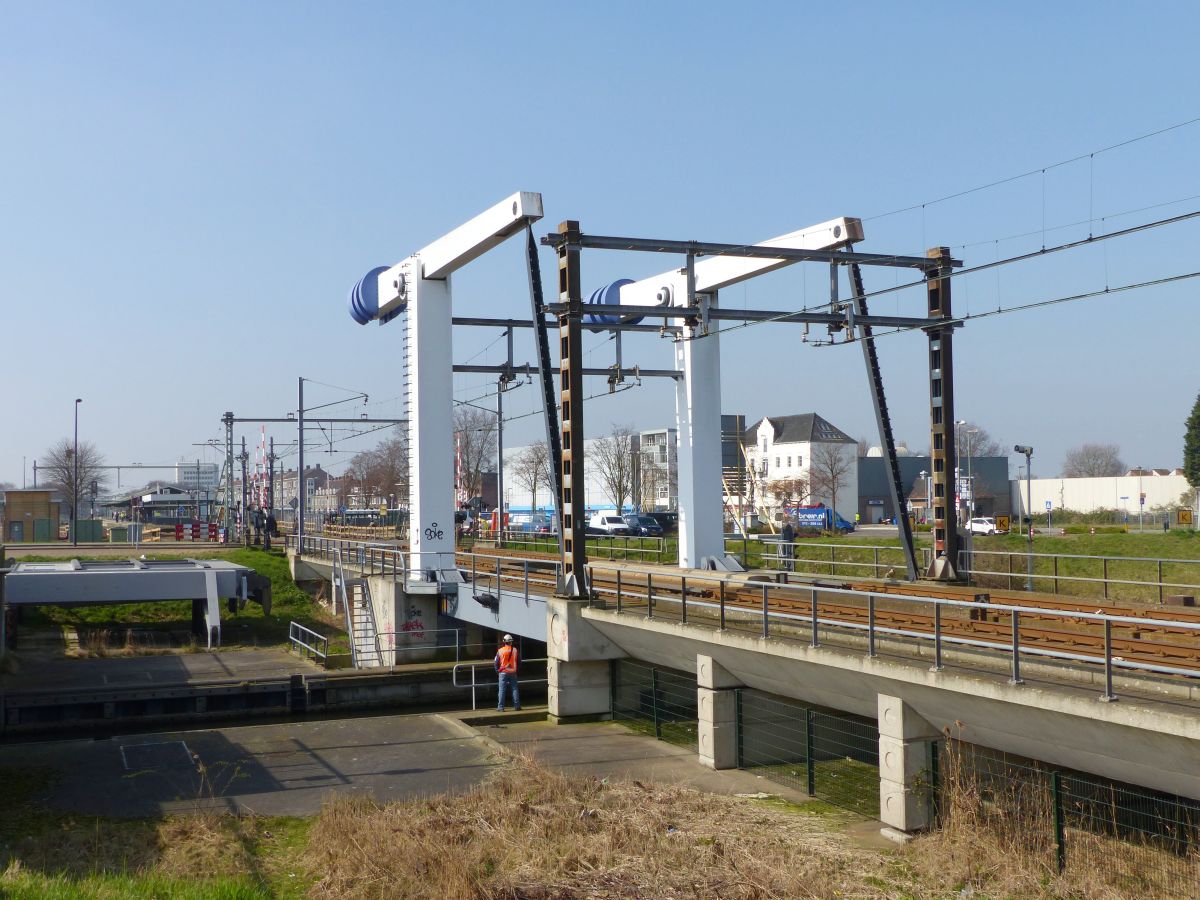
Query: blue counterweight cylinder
x=364, y=296
x=609, y=295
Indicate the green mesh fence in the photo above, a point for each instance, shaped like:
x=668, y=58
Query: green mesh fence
x=1140, y=842
x=833, y=756
x=656, y=701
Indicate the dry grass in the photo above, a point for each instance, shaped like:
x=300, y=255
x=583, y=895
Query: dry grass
x=997, y=838
x=102, y=642
x=533, y=833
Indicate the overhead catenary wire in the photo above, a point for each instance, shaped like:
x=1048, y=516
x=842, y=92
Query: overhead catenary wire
x=1035, y=171
x=1037, y=304
x=959, y=273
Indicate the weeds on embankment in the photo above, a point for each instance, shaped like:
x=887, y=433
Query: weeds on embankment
x=998, y=839
x=533, y=833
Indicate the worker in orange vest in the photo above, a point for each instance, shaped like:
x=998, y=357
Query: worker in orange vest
x=506, y=665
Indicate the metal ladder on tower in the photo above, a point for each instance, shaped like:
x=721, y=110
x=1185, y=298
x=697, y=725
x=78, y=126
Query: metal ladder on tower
x=354, y=594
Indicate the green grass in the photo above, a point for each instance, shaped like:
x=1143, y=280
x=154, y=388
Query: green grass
x=247, y=627
x=845, y=783
x=682, y=733
x=49, y=853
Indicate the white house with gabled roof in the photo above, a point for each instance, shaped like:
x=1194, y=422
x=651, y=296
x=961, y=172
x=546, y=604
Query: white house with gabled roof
x=782, y=449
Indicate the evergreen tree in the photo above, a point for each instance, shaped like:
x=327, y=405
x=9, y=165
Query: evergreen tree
x=1191, y=447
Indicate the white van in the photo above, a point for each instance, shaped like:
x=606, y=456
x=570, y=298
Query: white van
x=609, y=523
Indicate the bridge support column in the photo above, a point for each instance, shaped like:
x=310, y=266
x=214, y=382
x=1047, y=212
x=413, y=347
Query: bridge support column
x=906, y=748
x=578, y=668
x=716, y=705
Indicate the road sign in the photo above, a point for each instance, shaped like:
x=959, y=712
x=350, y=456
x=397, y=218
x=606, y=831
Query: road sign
x=1001, y=523
x=1185, y=517
x=1049, y=504
x=1142, y=500
x=294, y=502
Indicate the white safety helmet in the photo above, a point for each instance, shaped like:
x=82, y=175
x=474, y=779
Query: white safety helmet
x=508, y=639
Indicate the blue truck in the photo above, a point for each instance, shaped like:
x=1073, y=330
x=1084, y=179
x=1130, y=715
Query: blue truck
x=819, y=517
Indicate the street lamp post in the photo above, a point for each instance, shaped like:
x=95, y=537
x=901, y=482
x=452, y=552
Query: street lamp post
x=925, y=482
x=75, y=482
x=1141, y=503
x=1028, y=451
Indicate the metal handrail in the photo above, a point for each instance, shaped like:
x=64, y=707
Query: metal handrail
x=1110, y=661
x=393, y=649
x=1081, y=556
x=296, y=632
x=478, y=684
x=1055, y=578
x=339, y=586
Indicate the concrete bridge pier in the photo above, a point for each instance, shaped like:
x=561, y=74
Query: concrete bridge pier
x=403, y=619
x=907, y=743
x=578, y=668
x=716, y=705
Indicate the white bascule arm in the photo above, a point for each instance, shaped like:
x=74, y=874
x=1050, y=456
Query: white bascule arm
x=716, y=272
x=454, y=250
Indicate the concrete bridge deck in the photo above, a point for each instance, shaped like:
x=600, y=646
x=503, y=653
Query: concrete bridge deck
x=1066, y=701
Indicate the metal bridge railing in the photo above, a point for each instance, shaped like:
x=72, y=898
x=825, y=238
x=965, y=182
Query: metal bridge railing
x=1061, y=570
x=863, y=560
x=489, y=570
x=536, y=578
x=775, y=612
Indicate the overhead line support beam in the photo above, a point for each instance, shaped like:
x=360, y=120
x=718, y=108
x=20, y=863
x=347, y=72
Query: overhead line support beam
x=754, y=251
x=718, y=314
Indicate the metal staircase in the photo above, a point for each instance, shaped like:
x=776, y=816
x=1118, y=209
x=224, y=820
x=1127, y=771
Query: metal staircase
x=354, y=595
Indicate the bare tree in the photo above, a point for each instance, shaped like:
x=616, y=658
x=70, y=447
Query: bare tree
x=785, y=490
x=828, y=470
x=863, y=446
x=613, y=456
x=1094, y=461
x=531, y=469
x=475, y=432
x=379, y=472
x=980, y=441
x=59, y=465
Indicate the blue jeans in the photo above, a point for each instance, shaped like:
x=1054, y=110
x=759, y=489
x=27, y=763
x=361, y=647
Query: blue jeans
x=508, y=682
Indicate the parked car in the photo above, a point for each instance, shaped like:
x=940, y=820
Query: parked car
x=668, y=521
x=982, y=525
x=643, y=526
x=609, y=523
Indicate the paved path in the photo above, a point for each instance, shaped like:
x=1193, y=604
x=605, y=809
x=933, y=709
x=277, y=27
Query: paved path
x=290, y=768
x=279, y=769
x=610, y=750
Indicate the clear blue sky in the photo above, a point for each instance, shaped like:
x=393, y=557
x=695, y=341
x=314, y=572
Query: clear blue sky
x=189, y=191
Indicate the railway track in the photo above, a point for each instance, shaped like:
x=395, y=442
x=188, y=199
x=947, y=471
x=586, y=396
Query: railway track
x=1152, y=644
